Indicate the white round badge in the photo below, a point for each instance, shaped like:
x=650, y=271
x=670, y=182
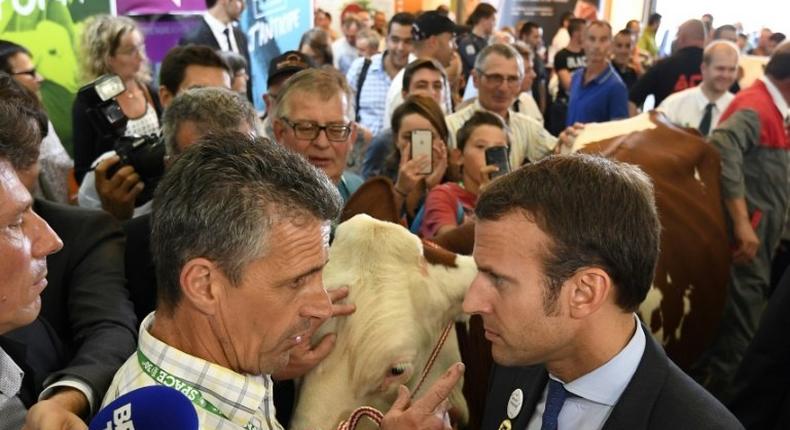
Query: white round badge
x=514, y=404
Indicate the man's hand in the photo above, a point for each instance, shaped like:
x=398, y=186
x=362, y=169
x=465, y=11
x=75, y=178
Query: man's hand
x=746, y=242
x=568, y=137
x=59, y=412
x=427, y=413
x=304, y=357
x=119, y=192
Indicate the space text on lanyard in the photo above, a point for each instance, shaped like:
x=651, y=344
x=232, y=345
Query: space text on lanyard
x=194, y=395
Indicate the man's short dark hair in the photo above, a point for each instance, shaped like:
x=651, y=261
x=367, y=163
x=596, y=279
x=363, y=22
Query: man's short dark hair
x=210, y=3
x=576, y=24
x=401, y=18
x=7, y=50
x=226, y=212
x=623, y=32
x=778, y=66
x=420, y=63
x=596, y=212
x=722, y=28
x=177, y=60
x=23, y=124
x=527, y=28
x=654, y=18
x=477, y=119
x=777, y=37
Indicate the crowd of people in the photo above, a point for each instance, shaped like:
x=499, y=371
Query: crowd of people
x=204, y=259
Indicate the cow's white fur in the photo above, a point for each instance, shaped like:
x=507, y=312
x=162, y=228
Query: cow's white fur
x=598, y=131
x=402, y=305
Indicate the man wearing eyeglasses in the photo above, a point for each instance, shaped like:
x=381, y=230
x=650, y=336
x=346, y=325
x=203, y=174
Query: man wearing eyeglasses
x=55, y=163
x=498, y=72
x=597, y=94
x=315, y=118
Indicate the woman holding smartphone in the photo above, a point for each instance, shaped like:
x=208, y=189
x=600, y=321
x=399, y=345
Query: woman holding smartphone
x=420, y=162
x=481, y=139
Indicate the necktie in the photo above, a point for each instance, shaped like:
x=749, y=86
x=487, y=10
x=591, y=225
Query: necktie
x=227, y=38
x=704, y=125
x=554, y=400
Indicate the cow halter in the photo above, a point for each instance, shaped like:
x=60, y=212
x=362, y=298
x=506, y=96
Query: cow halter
x=374, y=414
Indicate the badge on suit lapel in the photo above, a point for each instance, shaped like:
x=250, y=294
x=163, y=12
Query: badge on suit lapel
x=505, y=425
x=514, y=403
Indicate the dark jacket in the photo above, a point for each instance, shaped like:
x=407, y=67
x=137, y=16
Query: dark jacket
x=659, y=396
x=85, y=303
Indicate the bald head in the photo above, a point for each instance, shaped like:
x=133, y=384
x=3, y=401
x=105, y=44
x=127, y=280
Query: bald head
x=691, y=33
x=719, y=49
x=719, y=67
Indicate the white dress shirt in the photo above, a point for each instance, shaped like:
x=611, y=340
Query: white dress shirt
x=686, y=108
x=776, y=95
x=218, y=29
x=593, y=396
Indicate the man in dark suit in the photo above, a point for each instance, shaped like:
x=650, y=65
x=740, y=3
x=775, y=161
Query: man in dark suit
x=217, y=31
x=566, y=249
x=87, y=326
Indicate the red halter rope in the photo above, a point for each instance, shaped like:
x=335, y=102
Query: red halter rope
x=374, y=414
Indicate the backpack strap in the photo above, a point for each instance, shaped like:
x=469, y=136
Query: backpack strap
x=361, y=81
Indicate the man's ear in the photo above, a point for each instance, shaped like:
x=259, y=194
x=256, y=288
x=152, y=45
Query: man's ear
x=202, y=285
x=279, y=129
x=476, y=78
x=590, y=288
x=165, y=97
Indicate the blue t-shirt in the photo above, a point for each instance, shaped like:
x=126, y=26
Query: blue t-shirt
x=603, y=99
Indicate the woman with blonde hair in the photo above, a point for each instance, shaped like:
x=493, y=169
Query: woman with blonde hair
x=113, y=45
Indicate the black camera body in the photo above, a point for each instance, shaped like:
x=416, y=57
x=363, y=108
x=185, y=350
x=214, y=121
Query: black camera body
x=146, y=154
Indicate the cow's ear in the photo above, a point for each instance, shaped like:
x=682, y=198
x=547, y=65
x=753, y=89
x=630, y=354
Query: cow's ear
x=200, y=279
x=589, y=289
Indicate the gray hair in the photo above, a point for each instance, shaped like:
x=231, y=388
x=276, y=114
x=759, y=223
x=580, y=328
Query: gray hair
x=503, y=50
x=220, y=200
x=211, y=109
x=324, y=82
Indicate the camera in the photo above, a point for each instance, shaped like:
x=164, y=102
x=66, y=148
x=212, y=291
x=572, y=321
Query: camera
x=146, y=154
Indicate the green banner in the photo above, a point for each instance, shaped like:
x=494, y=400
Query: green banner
x=50, y=30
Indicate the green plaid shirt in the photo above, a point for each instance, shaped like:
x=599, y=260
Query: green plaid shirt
x=244, y=399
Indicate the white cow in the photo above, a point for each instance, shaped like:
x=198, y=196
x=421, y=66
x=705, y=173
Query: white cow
x=403, y=302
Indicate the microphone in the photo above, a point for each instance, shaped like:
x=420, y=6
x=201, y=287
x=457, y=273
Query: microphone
x=148, y=408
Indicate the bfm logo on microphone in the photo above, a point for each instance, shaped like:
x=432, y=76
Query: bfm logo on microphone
x=121, y=419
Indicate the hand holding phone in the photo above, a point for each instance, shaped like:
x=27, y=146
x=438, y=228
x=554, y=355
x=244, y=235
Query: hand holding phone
x=422, y=144
x=498, y=156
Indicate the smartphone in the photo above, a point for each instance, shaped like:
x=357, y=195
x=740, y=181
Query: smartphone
x=498, y=156
x=422, y=144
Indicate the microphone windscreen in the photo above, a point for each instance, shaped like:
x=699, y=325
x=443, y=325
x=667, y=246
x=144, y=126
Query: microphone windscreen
x=148, y=408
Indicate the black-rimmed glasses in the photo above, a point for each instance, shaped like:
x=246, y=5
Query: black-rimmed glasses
x=307, y=130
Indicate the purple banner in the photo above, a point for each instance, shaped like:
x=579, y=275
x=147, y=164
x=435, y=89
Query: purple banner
x=155, y=7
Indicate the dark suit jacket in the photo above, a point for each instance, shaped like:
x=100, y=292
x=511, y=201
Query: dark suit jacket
x=85, y=303
x=29, y=358
x=762, y=384
x=202, y=35
x=659, y=396
x=140, y=265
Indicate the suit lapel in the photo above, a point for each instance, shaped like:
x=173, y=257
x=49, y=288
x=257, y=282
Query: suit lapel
x=208, y=35
x=634, y=407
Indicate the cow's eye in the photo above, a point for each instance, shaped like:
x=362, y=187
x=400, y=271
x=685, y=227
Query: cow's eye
x=398, y=370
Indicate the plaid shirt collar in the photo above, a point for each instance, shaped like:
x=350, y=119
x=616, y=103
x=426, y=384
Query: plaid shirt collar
x=237, y=396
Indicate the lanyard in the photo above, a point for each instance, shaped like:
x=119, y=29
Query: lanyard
x=167, y=379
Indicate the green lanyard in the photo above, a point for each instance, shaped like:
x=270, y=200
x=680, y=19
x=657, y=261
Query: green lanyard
x=167, y=379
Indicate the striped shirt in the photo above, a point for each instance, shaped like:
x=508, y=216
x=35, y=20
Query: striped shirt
x=243, y=399
x=528, y=139
x=373, y=97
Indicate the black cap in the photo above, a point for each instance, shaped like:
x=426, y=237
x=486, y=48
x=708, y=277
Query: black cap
x=430, y=24
x=288, y=63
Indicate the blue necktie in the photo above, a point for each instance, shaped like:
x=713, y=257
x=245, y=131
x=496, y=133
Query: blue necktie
x=554, y=400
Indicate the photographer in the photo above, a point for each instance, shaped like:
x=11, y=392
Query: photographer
x=113, y=45
x=116, y=188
